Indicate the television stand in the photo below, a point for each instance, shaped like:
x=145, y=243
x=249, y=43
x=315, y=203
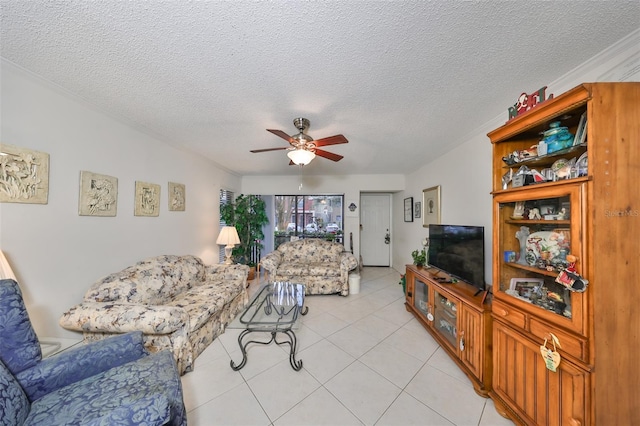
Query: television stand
x=456, y=315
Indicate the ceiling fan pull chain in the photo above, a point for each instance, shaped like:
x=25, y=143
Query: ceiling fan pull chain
x=300, y=186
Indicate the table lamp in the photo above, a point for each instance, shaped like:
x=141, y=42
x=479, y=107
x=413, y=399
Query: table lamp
x=228, y=238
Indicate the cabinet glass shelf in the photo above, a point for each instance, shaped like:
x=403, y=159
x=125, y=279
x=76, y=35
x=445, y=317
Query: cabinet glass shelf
x=540, y=247
x=548, y=159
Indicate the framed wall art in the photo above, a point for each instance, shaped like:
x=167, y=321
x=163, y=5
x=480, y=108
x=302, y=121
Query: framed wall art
x=98, y=195
x=408, y=209
x=417, y=210
x=177, y=197
x=24, y=175
x=431, y=206
x=147, y=201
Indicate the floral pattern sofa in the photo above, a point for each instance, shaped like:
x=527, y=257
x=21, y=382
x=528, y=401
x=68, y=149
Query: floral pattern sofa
x=322, y=266
x=178, y=303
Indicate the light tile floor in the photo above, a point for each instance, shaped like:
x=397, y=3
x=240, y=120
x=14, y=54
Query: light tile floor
x=366, y=361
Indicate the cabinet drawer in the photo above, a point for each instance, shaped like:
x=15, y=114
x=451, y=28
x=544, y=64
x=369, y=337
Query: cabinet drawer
x=570, y=344
x=508, y=313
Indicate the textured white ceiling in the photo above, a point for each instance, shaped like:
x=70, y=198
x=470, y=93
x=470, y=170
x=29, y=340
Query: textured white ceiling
x=403, y=80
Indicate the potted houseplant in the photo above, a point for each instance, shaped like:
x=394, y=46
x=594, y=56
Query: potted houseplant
x=419, y=257
x=248, y=214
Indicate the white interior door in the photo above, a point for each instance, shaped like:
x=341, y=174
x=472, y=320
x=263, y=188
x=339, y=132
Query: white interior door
x=375, y=229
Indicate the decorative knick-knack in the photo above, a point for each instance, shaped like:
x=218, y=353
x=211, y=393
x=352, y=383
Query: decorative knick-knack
x=522, y=236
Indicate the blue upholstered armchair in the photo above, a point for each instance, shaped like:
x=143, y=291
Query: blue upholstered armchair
x=113, y=381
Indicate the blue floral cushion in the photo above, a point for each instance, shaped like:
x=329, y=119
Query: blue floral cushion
x=79, y=363
x=14, y=405
x=143, y=392
x=20, y=348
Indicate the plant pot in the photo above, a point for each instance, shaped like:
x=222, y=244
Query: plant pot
x=252, y=273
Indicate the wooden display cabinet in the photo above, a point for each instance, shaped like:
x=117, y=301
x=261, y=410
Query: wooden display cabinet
x=593, y=215
x=457, y=317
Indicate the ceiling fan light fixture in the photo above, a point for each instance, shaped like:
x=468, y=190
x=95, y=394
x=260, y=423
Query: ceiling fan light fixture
x=301, y=157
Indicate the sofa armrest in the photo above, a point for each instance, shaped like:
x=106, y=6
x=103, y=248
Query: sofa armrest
x=348, y=261
x=110, y=317
x=80, y=362
x=271, y=261
x=222, y=272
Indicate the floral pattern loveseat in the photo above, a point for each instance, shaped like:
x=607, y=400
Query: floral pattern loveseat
x=178, y=303
x=322, y=266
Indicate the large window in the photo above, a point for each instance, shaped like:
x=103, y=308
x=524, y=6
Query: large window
x=308, y=216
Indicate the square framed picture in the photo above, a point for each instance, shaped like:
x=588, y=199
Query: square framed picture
x=98, y=195
x=408, y=209
x=431, y=206
x=147, y=201
x=24, y=175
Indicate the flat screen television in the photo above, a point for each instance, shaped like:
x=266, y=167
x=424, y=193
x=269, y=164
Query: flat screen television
x=458, y=250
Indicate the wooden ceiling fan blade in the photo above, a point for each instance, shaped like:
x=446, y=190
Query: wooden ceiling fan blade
x=329, y=155
x=280, y=133
x=270, y=149
x=331, y=140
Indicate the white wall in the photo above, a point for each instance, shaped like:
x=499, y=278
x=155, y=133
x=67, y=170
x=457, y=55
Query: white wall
x=55, y=253
x=464, y=176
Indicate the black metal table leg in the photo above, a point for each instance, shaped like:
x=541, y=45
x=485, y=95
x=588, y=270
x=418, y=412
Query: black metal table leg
x=293, y=346
x=243, y=347
x=292, y=342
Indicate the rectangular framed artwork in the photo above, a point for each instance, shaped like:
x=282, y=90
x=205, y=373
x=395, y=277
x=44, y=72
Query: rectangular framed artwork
x=431, y=206
x=525, y=287
x=177, y=197
x=417, y=210
x=147, y=201
x=98, y=195
x=24, y=175
x=408, y=209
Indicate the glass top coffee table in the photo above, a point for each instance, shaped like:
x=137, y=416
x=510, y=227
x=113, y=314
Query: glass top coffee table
x=276, y=308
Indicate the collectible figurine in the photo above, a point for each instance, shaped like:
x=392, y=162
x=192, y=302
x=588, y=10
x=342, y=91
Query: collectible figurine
x=534, y=213
x=522, y=236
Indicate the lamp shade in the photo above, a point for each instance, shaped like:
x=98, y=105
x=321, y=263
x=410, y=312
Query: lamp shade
x=5, y=269
x=301, y=156
x=228, y=236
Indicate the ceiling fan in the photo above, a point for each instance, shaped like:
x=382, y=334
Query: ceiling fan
x=303, y=148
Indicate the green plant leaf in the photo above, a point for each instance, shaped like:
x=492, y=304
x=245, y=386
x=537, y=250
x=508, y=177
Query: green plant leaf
x=248, y=214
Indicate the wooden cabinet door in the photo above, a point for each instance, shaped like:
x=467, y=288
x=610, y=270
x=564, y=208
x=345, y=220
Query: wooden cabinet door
x=527, y=285
x=470, y=339
x=410, y=287
x=445, y=318
x=537, y=395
